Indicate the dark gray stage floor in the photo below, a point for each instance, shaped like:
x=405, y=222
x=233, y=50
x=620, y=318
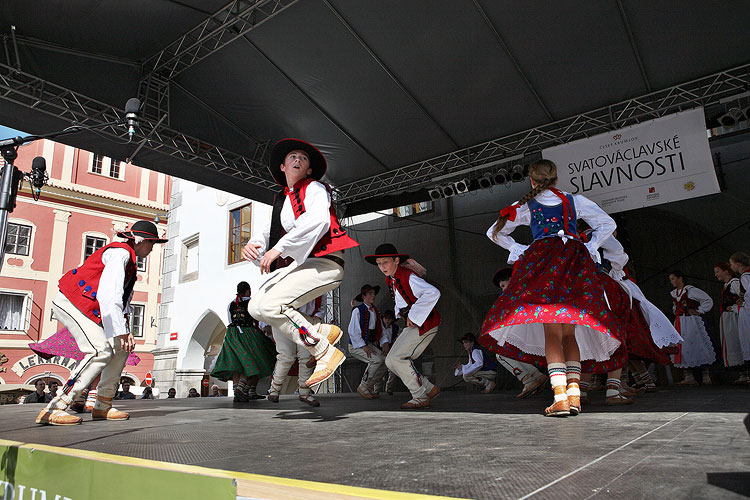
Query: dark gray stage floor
x=678, y=443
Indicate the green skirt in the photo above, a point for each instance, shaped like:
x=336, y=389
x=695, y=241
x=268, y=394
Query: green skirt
x=247, y=351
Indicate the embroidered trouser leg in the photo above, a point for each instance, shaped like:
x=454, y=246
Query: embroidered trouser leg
x=524, y=372
x=408, y=347
x=482, y=377
x=102, y=357
x=287, y=351
x=278, y=298
x=375, y=366
x=390, y=382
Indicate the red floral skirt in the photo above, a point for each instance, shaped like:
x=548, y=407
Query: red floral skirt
x=557, y=282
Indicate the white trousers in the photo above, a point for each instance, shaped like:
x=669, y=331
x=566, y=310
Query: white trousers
x=524, y=372
x=375, y=366
x=482, y=377
x=409, y=346
x=287, y=351
x=277, y=300
x=102, y=355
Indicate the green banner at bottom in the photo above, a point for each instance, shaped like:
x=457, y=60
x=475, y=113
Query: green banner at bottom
x=41, y=473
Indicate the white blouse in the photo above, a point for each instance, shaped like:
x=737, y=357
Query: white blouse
x=705, y=302
x=427, y=297
x=110, y=292
x=602, y=224
x=303, y=233
x=615, y=254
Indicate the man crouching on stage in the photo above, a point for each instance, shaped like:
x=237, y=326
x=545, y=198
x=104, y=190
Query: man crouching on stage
x=91, y=304
x=303, y=228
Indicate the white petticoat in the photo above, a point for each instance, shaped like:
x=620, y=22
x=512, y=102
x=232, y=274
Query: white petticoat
x=529, y=337
x=696, y=347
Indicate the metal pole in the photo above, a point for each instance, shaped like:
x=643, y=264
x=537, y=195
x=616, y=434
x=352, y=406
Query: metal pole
x=6, y=191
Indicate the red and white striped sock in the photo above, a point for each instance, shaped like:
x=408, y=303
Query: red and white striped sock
x=558, y=378
x=573, y=375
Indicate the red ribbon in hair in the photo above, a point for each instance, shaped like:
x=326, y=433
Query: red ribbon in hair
x=509, y=212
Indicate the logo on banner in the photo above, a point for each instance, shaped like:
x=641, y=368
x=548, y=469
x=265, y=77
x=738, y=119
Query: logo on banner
x=689, y=186
x=651, y=190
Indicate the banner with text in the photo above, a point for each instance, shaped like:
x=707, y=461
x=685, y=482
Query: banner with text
x=659, y=161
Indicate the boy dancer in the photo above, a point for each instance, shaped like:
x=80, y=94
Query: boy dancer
x=365, y=331
x=91, y=304
x=479, y=370
x=415, y=301
x=305, y=229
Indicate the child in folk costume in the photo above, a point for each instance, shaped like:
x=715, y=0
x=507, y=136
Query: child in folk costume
x=365, y=332
x=389, y=336
x=293, y=359
x=740, y=263
x=555, y=289
x=480, y=369
x=91, y=304
x=247, y=355
x=304, y=228
x=415, y=301
x=690, y=304
x=731, y=346
x=529, y=375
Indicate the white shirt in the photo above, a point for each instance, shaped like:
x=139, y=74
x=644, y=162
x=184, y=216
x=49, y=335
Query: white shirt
x=705, y=302
x=309, y=308
x=427, y=297
x=110, y=292
x=476, y=361
x=303, y=233
x=602, y=224
x=355, y=331
x=387, y=336
x=615, y=254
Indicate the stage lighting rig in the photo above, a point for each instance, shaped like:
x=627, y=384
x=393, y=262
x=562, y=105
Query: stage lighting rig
x=730, y=118
x=486, y=181
x=516, y=173
x=461, y=186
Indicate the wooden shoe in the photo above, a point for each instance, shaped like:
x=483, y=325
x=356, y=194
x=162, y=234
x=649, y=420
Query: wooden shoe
x=489, y=388
x=309, y=400
x=107, y=413
x=333, y=333
x=364, y=393
x=415, y=404
x=618, y=400
x=575, y=405
x=434, y=392
x=325, y=366
x=57, y=417
x=533, y=387
x=558, y=409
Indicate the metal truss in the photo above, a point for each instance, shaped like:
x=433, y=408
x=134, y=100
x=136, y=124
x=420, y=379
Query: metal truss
x=703, y=91
x=35, y=93
x=231, y=22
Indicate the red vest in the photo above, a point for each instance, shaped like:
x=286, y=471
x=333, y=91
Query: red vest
x=684, y=303
x=79, y=285
x=400, y=282
x=334, y=240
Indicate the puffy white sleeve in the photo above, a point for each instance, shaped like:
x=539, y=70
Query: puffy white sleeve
x=110, y=292
x=745, y=280
x=355, y=331
x=476, y=361
x=427, y=297
x=706, y=302
x=309, y=227
x=503, y=238
x=387, y=334
x=602, y=224
x=615, y=253
x=262, y=239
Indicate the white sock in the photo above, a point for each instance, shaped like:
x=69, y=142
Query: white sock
x=573, y=376
x=558, y=379
x=613, y=387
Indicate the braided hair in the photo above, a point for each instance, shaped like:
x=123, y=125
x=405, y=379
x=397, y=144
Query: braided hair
x=544, y=175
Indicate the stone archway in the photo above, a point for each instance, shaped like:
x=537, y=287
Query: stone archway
x=191, y=357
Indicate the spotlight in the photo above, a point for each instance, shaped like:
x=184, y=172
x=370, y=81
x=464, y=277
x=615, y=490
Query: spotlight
x=461, y=186
x=501, y=176
x=435, y=193
x=516, y=173
x=730, y=118
x=448, y=190
x=486, y=181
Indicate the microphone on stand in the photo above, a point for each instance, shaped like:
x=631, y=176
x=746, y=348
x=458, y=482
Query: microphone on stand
x=38, y=175
x=131, y=115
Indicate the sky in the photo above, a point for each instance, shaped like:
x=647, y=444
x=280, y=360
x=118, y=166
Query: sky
x=7, y=133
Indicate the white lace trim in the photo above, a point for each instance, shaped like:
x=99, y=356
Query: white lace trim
x=697, y=349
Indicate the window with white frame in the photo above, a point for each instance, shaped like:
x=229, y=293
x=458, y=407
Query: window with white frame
x=114, y=169
x=14, y=311
x=141, y=262
x=240, y=221
x=18, y=240
x=96, y=164
x=92, y=245
x=189, y=259
x=136, y=319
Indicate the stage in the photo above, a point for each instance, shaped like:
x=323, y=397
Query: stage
x=678, y=443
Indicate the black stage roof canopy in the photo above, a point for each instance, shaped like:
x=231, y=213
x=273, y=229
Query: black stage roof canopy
x=395, y=93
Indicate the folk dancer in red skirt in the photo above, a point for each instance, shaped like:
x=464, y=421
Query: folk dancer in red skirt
x=304, y=228
x=555, y=306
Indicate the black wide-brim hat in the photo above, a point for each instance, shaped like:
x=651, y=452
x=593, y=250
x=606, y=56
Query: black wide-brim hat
x=145, y=229
x=284, y=147
x=385, y=250
x=502, y=274
x=467, y=336
x=365, y=289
